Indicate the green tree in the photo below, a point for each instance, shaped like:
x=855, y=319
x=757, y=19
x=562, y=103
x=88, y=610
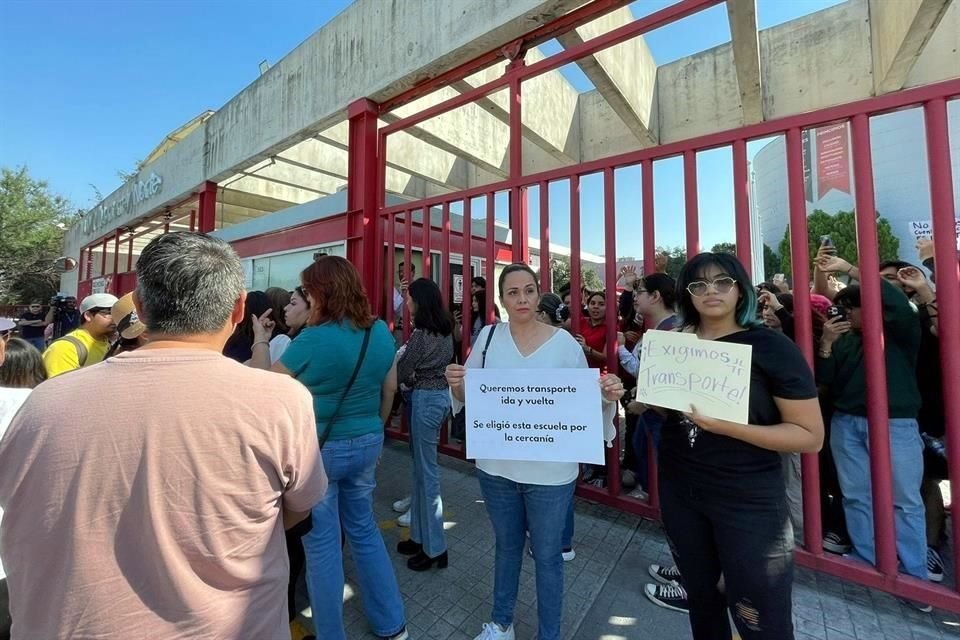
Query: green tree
x=560, y=271
x=32, y=224
x=771, y=263
x=842, y=229
x=724, y=247
x=671, y=261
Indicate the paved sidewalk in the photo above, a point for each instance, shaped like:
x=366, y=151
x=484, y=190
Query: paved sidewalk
x=603, y=598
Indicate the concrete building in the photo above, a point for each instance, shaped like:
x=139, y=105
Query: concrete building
x=283, y=142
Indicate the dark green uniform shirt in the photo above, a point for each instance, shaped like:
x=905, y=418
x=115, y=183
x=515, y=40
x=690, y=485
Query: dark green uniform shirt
x=845, y=371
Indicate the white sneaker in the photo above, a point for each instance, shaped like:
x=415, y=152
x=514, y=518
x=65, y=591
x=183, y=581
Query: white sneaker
x=569, y=555
x=402, y=506
x=404, y=520
x=492, y=631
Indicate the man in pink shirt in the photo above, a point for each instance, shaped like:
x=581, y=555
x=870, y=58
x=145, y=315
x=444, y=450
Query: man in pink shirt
x=148, y=494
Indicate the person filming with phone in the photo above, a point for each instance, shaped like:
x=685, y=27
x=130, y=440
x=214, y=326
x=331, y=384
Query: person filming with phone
x=840, y=364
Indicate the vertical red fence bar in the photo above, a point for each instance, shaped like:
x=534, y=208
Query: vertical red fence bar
x=576, y=304
x=115, y=283
x=445, y=255
x=391, y=271
x=382, y=260
x=407, y=265
x=130, y=252
x=103, y=258
x=519, y=219
x=873, y=347
x=466, y=306
x=610, y=276
x=208, y=207
x=81, y=266
x=546, y=274
x=741, y=207
x=649, y=229
x=491, y=257
x=948, y=287
x=690, y=202
x=803, y=325
x=363, y=228
x=427, y=232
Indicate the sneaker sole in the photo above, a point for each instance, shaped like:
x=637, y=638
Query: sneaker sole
x=935, y=577
x=660, y=579
x=664, y=605
x=836, y=549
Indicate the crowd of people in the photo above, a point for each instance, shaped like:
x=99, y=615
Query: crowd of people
x=266, y=459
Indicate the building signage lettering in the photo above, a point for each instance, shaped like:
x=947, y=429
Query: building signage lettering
x=124, y=203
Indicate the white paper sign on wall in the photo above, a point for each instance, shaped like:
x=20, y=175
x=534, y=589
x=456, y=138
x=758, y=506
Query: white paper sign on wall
x=457, y=288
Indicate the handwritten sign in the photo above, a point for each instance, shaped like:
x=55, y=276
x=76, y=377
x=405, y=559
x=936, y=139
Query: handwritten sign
x=533, y=414
x=678, y=369
x=924, y=229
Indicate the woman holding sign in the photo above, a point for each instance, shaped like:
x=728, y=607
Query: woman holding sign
x=722, y=491
x=522, y=496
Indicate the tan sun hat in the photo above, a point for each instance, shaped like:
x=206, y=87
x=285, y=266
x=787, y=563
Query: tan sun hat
x=125, y=316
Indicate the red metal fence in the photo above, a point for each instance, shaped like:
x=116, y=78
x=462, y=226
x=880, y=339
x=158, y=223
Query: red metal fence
x=398, y=226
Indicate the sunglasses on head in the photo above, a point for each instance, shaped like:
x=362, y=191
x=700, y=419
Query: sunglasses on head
x=722, y=285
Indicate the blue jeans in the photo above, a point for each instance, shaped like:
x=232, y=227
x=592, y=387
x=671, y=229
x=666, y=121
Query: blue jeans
x=566, y=540
x=428, y=413
x=351, y=468
x=515, y=509
x=651, y=423
x=38, y=342
x=850, y=446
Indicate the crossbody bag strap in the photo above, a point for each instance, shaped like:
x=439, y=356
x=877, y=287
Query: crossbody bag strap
x=486, y=345
x=80, y=347
x=343, y=396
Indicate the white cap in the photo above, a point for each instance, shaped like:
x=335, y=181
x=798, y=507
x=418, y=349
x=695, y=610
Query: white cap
x=6, y=324
x=98, y=301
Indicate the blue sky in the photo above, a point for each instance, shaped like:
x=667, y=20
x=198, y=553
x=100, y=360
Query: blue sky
x=91, y=88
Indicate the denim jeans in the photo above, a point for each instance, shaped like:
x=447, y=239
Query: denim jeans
x=515, y=509
x=38, y=342
x=566, y=540
x=428, y=414
x=351, y=468
x=851, y=451
x=746, y=538
x=649, y=425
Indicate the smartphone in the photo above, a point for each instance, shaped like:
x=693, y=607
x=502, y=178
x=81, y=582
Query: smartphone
x=827, y=241
x=836, y=312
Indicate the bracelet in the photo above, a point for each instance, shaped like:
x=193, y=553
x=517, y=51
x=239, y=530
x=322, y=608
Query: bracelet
x=824, y=354
x=266, y=342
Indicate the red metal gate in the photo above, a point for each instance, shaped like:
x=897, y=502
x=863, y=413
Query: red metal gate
x=386, y=228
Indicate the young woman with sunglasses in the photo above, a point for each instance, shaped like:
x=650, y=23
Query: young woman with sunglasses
x=722, y=492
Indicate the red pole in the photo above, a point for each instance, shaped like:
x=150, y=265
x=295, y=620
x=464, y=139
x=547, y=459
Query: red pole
x=741, y=205
x=873, y=348
x=130, y=252
x=81, y=266
x=576, y=304
x=391, y=221
x=546, y=275
x=407, y=265
x=466, y=307
x=610, y=275
x=803, y=327
x=363, y=245
x=948, y=286
x=427, y=232
x=380, y=195
x=445, y=255
x=491, y=254
x=519, y=215
x=649, y=228
x=115, y=283
x=208, y=208
x=690, y=202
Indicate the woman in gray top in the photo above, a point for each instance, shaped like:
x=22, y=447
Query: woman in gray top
x=421, y=367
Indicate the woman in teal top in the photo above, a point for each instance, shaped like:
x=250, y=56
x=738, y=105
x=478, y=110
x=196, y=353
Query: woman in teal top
x=323, y=357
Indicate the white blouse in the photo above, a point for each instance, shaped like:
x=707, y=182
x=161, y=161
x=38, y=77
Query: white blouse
x=560, y=351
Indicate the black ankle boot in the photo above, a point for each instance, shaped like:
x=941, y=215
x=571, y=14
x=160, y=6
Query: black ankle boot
x=423, y=562
x=409, y=547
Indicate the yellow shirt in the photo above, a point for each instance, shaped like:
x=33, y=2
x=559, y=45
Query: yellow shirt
x=62, y=355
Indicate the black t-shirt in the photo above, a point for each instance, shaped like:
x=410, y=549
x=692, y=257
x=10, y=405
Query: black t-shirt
x=29, y=331
x=721, y=463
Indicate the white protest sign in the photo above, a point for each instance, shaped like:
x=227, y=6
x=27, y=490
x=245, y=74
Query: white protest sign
x=677, y=370
x=546, y=415
x=924, y=229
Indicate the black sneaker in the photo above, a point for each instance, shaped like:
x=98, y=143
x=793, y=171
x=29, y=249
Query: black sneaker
x=668, y=596
x=835, y=543
x=934, y=565
x=665, y=575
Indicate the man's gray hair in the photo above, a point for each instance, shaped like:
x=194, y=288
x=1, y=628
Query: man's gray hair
x=188, y=283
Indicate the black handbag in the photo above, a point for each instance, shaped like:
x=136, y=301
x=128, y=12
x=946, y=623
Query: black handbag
x=458, y=426
x=353, y=378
